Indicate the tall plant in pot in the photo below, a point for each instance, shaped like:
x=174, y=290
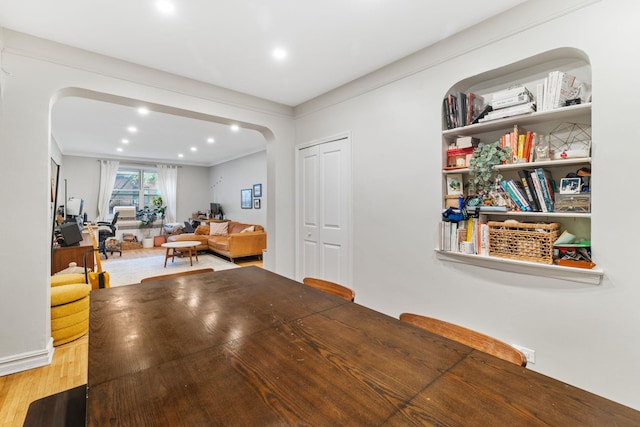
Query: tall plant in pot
x=482, y=173
x=147, y=217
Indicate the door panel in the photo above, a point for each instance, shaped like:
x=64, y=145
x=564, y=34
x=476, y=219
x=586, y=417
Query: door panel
x=324, y=187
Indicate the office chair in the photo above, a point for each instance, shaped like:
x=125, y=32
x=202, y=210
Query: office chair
x=106, y=230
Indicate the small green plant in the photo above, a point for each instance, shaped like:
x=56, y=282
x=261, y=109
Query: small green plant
x=481, y=166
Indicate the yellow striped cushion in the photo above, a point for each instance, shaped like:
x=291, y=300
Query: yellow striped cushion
x=68, y=293
x=67, y=279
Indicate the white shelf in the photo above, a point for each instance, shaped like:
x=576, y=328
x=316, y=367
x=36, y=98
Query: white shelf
x=528, y=165
x=559, y=114
x=539, y=214
x=580, y=275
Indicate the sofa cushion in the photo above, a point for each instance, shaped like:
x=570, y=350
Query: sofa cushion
x=248, y=229
x=219, y=242
x=237, y=227
x=218, y=228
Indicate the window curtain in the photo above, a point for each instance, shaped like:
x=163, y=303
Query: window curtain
x=168, y=183
x=108, y=172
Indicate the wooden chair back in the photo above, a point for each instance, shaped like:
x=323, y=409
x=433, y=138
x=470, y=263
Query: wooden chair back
x=330, y=287
x=183, y=273
x=467, y=337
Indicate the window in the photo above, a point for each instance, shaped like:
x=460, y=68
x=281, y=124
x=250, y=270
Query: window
x=134, y=187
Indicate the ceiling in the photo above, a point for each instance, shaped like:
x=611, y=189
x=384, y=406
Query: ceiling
x=230, y=44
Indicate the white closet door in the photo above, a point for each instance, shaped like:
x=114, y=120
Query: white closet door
x=323, y=200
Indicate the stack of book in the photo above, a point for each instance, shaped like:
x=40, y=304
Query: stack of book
x=513, y=101
x=558, y=88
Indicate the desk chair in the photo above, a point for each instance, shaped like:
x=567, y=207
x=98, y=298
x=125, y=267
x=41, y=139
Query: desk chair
x=184, y=273
x=330, y=287
x=106, y=230
x=468, y=337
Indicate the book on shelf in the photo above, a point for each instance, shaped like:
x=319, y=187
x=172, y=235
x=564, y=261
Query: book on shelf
x=516, y=195
x=557, y=88
x=475, y=106
x=525, y=178
x=516, y=110
x=514, y=100
x=509, y=93
x=462, y=109
x=546, y=187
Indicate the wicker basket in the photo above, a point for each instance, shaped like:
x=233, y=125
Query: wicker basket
x=523, y=241
x=126, y=246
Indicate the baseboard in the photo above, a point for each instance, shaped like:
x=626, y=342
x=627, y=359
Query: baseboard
x=28, y=360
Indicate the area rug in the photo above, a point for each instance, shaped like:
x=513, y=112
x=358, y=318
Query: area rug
x=130, y=271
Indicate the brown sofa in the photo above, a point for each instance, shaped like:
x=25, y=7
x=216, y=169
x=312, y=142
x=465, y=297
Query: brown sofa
x=235, y=244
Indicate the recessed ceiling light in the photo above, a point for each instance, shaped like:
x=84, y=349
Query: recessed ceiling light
x=165, y=7
x=180, y=155
x=119, y=149
x=132, y=129
x=193, y=149
x=143, y=111
x=235, y=128
x=211, y=140
x=125, y=141
x=279, y=53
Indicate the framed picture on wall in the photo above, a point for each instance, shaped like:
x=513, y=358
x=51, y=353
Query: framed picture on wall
x=256, y=203
x=245, y=198
x=257, y=190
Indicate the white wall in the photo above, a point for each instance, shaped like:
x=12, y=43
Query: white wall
x=583, y=334
x=227, y=179
x=36, y=73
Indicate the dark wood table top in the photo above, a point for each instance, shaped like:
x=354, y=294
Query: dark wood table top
x=251, y=348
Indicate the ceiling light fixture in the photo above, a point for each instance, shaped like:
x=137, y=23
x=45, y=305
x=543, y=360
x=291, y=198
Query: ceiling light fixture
x=211, y=140
x=235, y=128
x=279, y=53
x=132, y=129
x=165, y=6
x=143, y=111
x=119, y=149
x=193, y=149
x=125, y=141
x=180, y=155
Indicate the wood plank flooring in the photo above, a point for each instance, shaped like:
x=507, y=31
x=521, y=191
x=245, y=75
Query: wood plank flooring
x=68, y=368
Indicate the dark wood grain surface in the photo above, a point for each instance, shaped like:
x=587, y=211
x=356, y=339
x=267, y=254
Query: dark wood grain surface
x=248, y=347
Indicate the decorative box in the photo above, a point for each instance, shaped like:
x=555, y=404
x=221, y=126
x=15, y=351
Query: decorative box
x=579, y=202
x=459, y=157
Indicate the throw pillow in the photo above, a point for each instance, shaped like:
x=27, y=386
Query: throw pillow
x=203, y=230
x=246, y=230
x=218, y=228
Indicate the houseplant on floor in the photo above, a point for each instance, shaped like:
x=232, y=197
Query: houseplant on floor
x=147, y=217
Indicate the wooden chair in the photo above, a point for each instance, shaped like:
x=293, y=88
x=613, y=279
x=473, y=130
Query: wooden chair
x=330, y=287
x=184, y=273
x=467, y=337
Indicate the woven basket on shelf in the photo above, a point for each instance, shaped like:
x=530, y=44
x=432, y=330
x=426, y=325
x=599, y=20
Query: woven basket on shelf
x=523, y=241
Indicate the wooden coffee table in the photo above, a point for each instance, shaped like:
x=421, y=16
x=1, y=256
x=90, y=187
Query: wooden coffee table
x=177, y=248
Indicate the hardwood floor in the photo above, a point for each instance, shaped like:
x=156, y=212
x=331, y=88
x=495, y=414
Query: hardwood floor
x=68, y=368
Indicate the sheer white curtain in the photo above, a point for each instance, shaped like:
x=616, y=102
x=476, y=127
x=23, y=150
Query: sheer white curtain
x=168, y=183
x=108, y=172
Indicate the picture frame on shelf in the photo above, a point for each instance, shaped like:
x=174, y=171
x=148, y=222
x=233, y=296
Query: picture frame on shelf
x=257, y=190
x=570, y=185
x=245, y=198
x=256, y=203
x=454, y=184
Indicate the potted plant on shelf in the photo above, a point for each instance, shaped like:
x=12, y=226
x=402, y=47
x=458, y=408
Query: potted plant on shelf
x=482, y=173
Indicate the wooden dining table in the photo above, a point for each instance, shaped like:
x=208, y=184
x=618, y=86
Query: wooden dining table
x=248, y=347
